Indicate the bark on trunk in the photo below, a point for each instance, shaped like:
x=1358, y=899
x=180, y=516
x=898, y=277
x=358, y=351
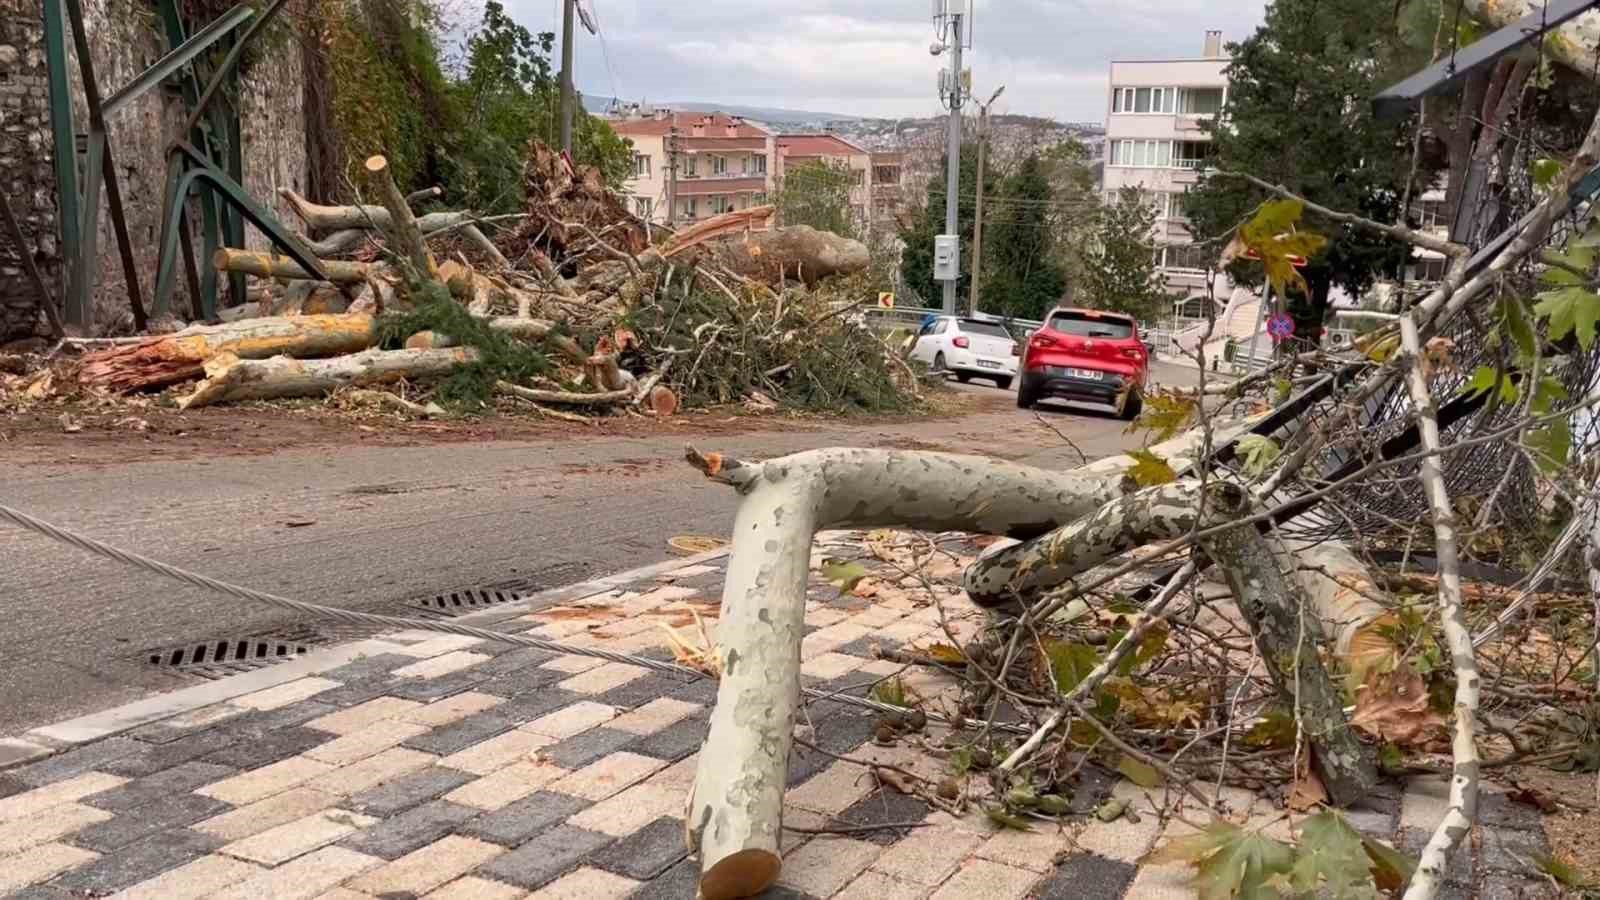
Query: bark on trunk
x=231, y=379
x=362, y=218
x=1261, y=574
x=403, y=230
x=716, y=227
x=736, y=810
x=1574, y=44
x=265, y=265
x=796, y=253
x=178, y=357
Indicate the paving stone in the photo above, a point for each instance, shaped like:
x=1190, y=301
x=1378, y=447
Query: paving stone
x=42, y=892
x=656, y=715
x=259, y=723
x=587, y=746
x=546, y=857
x=570, y=720
x=1087, y=875
x=675, y=742
x=137, y=824
x=883, y=807
x=1511, y=850
x=608, y=775
x=844, y=732
x=463, y=734
x=513, y=659
x=874, y=885
x=1372, y=822
x=281, y=695
x=634, y=808
x=36, y=800
x=12, y=786
x=258, y=784
x=1498, y=810
x=647, y=852
x=47, y=825
x=538, y=704
x=824, y=865
x=137, y=862
x=430, y=689
x=394, y=797
x=451, y=709
x=507, y=785
x=361, y=715
x=369, y=668
x=1505, y=887
x=441, y=665
x=372, y=771
x=640, y=691
x=474, y=888
x=75, y=762
x=428, y=867
x=680, y=881
x=1093, y=787
x=927, y=856
x=1457, y=872
x=516, y=745
x=1034, y=850
x=268, y=748
x=179, y=779
x=203, y=878
x=702, y=691
x=519, y=822
x=526, y=680
x=276, y=846
x=302, y=879
x=40, y=863
x=989, y=880
x=183, y=725
x=366, y=742
x=396, y=836
x=355, y=693
x=152, y=758
x=271, y=812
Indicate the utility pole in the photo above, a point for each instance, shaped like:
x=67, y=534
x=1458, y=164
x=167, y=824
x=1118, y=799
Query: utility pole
x=566, y=74
x=952, y=179
x=977, y=221
x=672, y=175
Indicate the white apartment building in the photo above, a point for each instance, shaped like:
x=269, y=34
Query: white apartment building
x=723, y=163
x=1157, y=140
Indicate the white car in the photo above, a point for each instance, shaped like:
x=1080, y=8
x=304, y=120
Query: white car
x=969, y=348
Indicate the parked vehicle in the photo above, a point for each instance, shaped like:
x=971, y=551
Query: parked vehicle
x=1088, y=356
x=968, y=347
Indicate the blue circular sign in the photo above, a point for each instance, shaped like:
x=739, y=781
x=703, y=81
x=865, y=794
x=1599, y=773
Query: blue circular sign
x=1280, y=326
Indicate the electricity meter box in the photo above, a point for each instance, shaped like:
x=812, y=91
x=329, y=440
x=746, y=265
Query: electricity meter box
x=946, y=258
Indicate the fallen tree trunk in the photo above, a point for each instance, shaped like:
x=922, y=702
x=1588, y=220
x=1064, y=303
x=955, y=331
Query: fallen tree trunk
x=715, y=227
x=796, y=253
x=568, y=398
x=1260, y=572
x=170, y=359
x=736, y=809
x=402, y=228
x=1575, y=44
x=363, y=218
x=265, y=265
x=231, y=379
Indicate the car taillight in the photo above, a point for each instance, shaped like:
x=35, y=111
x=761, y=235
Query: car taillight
x=962, y=342
x=1016, y=350
x=1043, y=340
x=1133, y=353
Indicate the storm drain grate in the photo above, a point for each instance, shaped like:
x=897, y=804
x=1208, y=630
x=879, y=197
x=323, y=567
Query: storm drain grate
x=456, y=603
x=222, y=656
x=467, y=600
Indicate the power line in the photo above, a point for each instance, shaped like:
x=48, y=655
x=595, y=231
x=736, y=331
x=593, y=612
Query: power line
x=605, y=54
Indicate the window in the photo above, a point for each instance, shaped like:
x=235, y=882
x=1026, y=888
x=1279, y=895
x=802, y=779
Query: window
x=1175, y=206
x=1091, y=325
x=689, y=166
x=719, y=204
x=984, y=327
x=758, y=198
x=1430, y=214
x=643, y=206
x=1193, y=154
x=690, y=207
x=1192, y=308
x=858, y=177
x=641, y=165
x=1184, y=256
x=758, y=165
x=1143, y=154
x=1199, y=101
x=1111, y=198
x=719, y=165
x=1142, y=100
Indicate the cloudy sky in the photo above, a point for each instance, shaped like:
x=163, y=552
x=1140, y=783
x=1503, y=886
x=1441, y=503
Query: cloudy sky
x=870, y=57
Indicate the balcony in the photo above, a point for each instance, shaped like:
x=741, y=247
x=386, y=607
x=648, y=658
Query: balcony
x=707, y=185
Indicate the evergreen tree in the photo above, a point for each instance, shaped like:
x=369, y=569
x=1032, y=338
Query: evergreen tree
x=817, y=194
x=916, y=265
x=1021, y=276
x=1117, y=264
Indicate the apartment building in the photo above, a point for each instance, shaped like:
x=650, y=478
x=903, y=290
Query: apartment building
x=1157, y=113
x=854, y=162
x=888, y=195
x=701, y=163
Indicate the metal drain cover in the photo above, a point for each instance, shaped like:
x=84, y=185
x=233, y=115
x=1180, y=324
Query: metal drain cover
x=222, y=656
x=471, y=599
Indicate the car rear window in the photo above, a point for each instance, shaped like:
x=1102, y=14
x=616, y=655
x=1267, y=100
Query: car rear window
x=1085, y=325
x=988, y=329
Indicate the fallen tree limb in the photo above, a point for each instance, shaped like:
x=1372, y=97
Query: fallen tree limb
x=1261, y=574
x=362, y=218
x=796, y=253
x=395, y=401
x=569, y=398
x=735, y=810
x=265, y=265
x=230, y=378
x=715, y=227
x=402, y=227
x=173, y=358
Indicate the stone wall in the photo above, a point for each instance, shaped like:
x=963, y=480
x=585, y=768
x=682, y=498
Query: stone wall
x=26, y=180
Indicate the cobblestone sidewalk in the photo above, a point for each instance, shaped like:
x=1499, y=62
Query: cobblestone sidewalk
x=421, y=765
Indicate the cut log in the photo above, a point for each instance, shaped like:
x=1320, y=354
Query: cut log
x=1260, y=574
x=797, y=253
x=231, y=379
x=170, y=359
x=717, y=226
x=402, y=227
x=569, y=398
x=736, y=808
x=362, y=218
x=265, y=265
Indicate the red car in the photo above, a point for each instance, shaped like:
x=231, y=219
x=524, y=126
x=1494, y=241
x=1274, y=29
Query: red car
x=1086, y=355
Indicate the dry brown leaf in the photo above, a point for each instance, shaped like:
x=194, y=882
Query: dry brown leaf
x=696, y=543
x=897, y=780
x=1394, y=707
x=867, y=588
x=1308, y=791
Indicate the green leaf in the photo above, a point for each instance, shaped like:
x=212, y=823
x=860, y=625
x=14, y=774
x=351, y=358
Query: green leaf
x=1390, y=757
x=999, y=816
x=1111, y=810
x=1551, y=444
x=1151, y=644
x=1276, y=729
x=1260, y=452
x=1282, y=389
x=1516, y=321
x=1140, y=773
x=1150, y=470
x=1546, y=394
x=1272, y=236
x=1487, y=378
x=1332, y=858
x=1570, y=309
x=1564, y=872
x=1231, y=862
x=1165, y=415
x=1577, y=256
x=1544, y=172
x=1070, y=663
x=1053, y=804
x=844, y=575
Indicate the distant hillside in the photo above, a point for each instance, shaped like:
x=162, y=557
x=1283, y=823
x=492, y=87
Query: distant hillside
x=602, y=105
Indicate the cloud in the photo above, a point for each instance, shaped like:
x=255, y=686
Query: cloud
x=870, y=57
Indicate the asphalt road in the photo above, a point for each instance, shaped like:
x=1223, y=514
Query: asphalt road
x=366, y=527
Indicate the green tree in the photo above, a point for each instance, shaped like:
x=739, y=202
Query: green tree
x=817, y=194
x=1022, y=277
x=1298, y=114
x=1117, y=265
x=916, y=264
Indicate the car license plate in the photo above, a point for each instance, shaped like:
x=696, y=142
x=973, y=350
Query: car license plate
x=1086, y=374
x=988, y=364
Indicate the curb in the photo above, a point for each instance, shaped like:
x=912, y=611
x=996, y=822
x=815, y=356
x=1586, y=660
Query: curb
x=48, y=740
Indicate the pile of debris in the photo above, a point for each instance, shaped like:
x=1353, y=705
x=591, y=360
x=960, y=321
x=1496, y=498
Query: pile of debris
x=580, y=306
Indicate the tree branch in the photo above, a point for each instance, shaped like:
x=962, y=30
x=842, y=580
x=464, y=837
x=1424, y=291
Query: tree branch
x=1400, y=232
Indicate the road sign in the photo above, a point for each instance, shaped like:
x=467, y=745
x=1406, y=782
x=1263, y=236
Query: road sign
x=886, y=299
x=1280, y=327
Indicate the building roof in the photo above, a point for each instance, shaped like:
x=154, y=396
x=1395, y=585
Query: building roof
x=715, y=125
x=816, y=145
